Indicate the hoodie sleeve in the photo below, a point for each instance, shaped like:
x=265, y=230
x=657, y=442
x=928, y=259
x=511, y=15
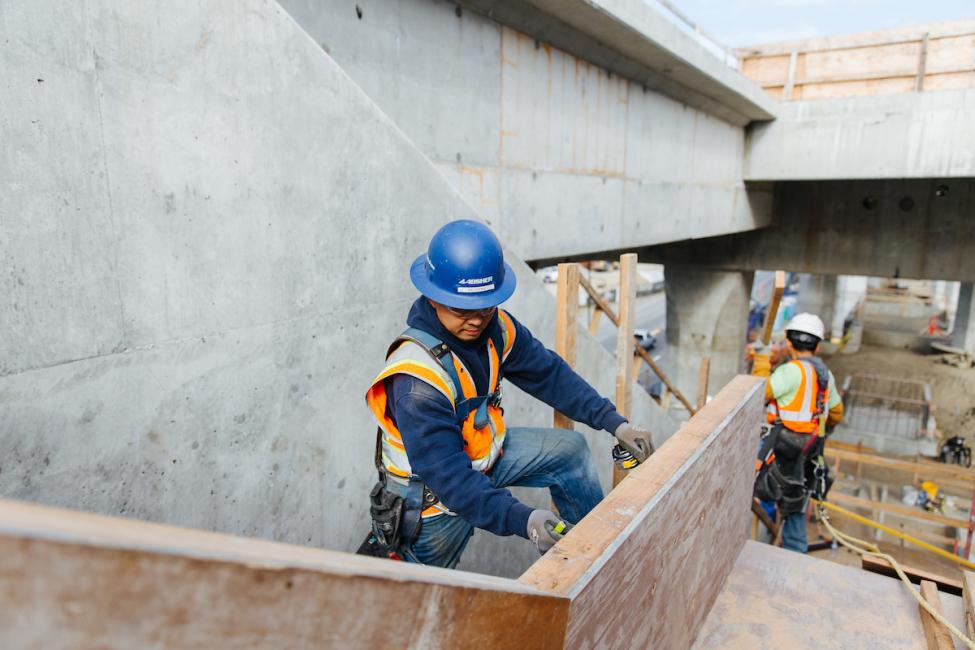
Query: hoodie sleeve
x=546, y=376
x=435, y=449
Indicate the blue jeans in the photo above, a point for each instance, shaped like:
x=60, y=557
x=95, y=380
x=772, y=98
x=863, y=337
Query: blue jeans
x=794, y=532
x=558, y=459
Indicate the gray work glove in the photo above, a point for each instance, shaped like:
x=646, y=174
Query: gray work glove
x=760, y=347
x=542, y=527
x=635, y=440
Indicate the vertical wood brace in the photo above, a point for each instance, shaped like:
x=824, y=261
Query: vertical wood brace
x=567, y=311
x=922, y=62
x=936, y=634
x=790, y=79
x=624, y=340
x=702, y=382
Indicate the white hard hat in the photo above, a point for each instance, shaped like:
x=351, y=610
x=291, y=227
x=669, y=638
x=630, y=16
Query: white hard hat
x=808, y=324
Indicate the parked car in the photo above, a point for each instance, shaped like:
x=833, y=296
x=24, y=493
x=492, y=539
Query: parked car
x=645, y=339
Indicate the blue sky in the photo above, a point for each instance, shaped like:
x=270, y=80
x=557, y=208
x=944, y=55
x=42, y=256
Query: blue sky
x=750, y=22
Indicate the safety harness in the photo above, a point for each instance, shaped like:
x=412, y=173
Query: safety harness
x=396, y=510
x=790, y=487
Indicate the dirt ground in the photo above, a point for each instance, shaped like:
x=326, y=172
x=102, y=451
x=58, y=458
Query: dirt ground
x=952, y=389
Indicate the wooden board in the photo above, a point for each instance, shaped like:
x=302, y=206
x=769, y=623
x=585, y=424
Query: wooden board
x=77, y=580
x=898, y=509
x=625, y=343
x=643, y=568
x=566, y=325
x=926, y=469
x=883, y=567
x=776, y=598
x=936, y=634
x=928, y=57
x=968, y=597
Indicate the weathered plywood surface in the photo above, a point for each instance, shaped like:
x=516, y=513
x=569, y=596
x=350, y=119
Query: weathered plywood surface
x=779, y=599
x=76, y=580
x=643, y=568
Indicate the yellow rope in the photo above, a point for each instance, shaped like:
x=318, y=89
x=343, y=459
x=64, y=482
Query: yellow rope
x=896, y=533
x=869, y=548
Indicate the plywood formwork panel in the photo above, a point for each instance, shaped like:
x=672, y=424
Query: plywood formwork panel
x=643, y=568
x=780, y=599
x=77, y=580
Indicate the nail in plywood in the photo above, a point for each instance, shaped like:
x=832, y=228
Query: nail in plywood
x=643, y=568
x=77, y=580
x=936, y=634
x=567, y=311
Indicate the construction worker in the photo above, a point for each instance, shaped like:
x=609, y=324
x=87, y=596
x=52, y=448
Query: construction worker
x=802, y=402
x=444, y=454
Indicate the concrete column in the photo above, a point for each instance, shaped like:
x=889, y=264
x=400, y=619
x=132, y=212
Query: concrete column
x=707, y=315
x=817, y=295
x=963, y=334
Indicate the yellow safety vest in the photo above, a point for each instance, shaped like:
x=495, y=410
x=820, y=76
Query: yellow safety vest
x=410, y=356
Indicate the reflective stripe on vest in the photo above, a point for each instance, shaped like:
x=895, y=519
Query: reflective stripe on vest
x=482, y=446
x=800, y=414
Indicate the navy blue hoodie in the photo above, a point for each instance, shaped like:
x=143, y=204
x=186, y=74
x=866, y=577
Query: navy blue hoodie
x=432, y=436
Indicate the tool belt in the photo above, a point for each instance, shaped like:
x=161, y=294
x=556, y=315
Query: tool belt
x=395, y=510
x=791, y=469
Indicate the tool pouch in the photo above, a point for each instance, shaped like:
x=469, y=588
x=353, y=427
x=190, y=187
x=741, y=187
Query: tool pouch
x=386, y=510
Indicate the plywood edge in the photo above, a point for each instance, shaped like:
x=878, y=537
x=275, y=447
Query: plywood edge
x=28, y=521
x=571, y=563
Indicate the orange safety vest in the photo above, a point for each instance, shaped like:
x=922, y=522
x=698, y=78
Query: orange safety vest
x=803, y=414
x=424, y=357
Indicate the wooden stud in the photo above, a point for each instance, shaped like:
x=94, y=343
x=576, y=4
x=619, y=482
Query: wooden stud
x=933, y=470
x=936, y=634
x=624, y=341
x=597, y=314
x=922, y=61
x=773, y=307
x=702, y=382
x=566, y=315
x=898, y=509
x=790, y=76
x=883, y=567
x=968, y=596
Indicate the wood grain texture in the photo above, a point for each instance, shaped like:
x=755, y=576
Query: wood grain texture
x=884, y=568
x=702, y=382
x=899, y=509
x=624, y=333
x=76, y=580
x=773, y=306
x=643, y=568
x=935, y=633
x=927, y=470
x=968, y=598
x=769, y=589
x=566, y=325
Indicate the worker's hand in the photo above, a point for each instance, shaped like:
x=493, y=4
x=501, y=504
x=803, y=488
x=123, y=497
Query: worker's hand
x=759, y=348
x=545, y=528
x=635, y=440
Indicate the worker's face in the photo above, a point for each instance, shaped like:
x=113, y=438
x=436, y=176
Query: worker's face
x=465, y=324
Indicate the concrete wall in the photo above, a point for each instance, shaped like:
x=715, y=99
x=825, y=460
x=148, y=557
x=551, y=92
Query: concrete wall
x=909, y=228
x=909, y=135
x=563, y=157
x=206, y=233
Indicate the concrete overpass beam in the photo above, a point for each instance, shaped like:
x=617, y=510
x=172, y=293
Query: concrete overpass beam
x=707, y=315
x=817, y=295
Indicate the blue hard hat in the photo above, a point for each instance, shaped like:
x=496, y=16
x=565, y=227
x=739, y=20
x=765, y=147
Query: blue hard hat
x=464, y=268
